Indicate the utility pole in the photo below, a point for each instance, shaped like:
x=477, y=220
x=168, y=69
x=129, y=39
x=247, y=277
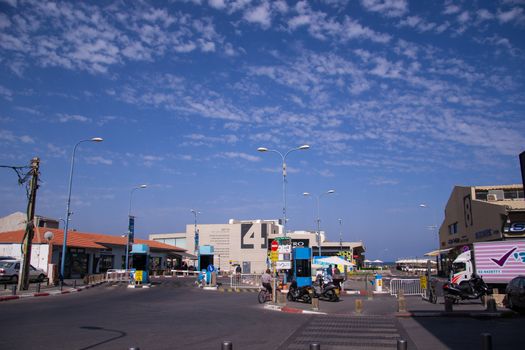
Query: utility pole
x=23, y=281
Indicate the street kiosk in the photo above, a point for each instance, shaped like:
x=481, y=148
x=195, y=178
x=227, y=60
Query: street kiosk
x=140, y=263
x=302, y=266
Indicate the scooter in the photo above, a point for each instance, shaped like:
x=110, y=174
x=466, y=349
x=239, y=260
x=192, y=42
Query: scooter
x=475, y=288
x=325, y=289
x=299, y=293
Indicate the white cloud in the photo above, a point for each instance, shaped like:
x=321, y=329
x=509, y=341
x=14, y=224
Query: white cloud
x=260, y=14
x=55, y=150
x=240, y=155
x=64, y=118
x=218, y=4
x=9, y=136
x=27, y=139
x=388, y=8
x=6, y=93
x=515, y=14
x=451, y=9
x=98, y=160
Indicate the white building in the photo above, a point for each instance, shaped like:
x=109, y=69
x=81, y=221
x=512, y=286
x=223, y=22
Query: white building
x=247, y=243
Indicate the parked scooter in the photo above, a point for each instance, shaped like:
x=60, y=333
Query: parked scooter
x=299, y=293
x=324, y=288
x=475, y=288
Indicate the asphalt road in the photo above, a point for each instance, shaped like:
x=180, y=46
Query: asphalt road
x=176, y=315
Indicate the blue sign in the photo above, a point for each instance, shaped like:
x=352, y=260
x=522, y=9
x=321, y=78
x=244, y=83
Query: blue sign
x=211, y=268
x=131, y=229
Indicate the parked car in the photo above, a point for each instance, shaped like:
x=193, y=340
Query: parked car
x=515, y=293
x=7, y=258
x=9, y=270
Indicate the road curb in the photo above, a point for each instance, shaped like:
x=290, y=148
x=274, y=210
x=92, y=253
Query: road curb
x=50, y=293
x=501, y=314
x=292, y=310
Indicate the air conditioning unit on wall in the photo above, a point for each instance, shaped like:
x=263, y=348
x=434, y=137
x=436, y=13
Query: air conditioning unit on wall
x=492, y=197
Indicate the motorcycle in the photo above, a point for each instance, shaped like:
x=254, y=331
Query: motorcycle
x=324, y=288
x=299, y=293
x=475, y=288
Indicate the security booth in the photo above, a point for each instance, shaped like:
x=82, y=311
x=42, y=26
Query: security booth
x=206, y=253
x=302, y=266
x=140, y=262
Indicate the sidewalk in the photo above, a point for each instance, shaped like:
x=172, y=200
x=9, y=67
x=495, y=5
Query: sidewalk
x=70, y=286
x=355, y=301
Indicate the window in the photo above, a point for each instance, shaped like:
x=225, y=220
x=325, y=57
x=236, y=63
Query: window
x=481, y=195
x=453, y=228
x=459, y=267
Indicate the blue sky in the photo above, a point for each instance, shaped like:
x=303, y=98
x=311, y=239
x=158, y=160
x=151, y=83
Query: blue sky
x=399, y=101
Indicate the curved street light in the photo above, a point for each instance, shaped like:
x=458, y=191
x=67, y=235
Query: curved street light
x=68, y=206
x=318, y=197
x=283, y=157
x=131, y=230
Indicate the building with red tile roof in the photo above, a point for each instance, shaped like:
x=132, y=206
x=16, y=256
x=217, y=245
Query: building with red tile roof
x=87, y=253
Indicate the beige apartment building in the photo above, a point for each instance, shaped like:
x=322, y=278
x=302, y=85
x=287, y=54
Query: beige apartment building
x=481, y=213
x=247, y=242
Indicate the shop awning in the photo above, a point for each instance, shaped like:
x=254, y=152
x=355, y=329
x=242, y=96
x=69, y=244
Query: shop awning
x=438, y=252
x=184, y=255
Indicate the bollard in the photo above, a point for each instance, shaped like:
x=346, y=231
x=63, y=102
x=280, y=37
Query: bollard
x=491, y=305
x=401, y=344
x=370, y=295
x=401, y=305
x=227, y=345
x=315, y=346
x=448, y=305
x=74, y=283
x=38, y=287
x=358, y=306
x=401, y=301
x=13, y=289
x=486, y=341
x=315, y=304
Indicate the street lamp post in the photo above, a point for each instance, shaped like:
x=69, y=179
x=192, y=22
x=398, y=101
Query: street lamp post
x=196, y=233
x=340, y=236
x=435, y=232
x=131, y=224
x=318, y=197
x=68, y=206
x=434, y=225
x=283, y=157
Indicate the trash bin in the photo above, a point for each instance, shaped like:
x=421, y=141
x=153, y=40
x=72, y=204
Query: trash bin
x=379, y=283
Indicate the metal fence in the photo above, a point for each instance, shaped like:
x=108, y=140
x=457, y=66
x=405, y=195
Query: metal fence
x=245, y=280
x=409, y=286
x=117, y=275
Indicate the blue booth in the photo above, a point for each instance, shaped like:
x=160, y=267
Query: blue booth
x=140, y=262
x=302, y=266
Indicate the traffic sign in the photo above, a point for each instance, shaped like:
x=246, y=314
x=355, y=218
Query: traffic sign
x=283, y=265
x=275, y=246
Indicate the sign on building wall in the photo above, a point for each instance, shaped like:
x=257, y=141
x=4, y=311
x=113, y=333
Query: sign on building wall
x=467, y=208
x=252, y=237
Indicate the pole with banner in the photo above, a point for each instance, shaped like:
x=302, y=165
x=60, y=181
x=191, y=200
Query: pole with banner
x=131, y=238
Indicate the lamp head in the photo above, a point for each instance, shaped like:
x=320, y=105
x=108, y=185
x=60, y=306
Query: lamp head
x=330, y=191
x=306, y=193
x=48, y=236
x=422, y=205
x=304, y=147
x=143, y=186
x=262, y=149
x=97, y=139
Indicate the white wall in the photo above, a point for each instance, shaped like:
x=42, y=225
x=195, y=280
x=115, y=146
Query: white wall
x=39, y=253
